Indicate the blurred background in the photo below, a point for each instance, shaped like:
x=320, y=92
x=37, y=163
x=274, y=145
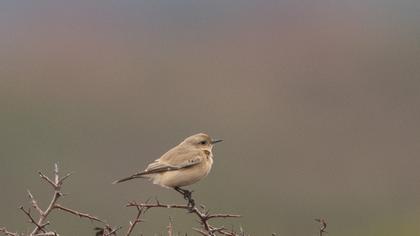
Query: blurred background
x=318, y=103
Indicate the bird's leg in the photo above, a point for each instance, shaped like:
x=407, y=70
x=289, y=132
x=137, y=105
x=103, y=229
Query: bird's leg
x=187, y=196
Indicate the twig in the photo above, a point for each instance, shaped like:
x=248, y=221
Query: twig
x=222, y=216
x=6, y=232
x=136, y=220
x=204, y=216
x=35, y=203
x=202, y=232
x=77, y=213
x=46, y=179
x=32, y=220
x=56, y=183
x=61, y=181
x=47, y=234
x=170, y=227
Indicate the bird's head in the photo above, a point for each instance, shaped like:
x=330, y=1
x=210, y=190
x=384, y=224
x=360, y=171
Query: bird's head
x=201, y=141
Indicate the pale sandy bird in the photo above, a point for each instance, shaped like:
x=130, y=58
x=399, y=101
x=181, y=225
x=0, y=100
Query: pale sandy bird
x=183, y=165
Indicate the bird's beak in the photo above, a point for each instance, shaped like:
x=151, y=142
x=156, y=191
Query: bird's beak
x=216, y=141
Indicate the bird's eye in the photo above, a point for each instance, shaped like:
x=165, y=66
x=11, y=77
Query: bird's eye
x=203, y=142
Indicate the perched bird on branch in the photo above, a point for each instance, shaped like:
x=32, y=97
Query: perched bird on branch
x=183, y=165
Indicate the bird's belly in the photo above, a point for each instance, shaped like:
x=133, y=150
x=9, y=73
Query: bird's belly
x=183, y=177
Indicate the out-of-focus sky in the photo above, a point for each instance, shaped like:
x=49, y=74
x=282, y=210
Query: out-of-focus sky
x=318, y=103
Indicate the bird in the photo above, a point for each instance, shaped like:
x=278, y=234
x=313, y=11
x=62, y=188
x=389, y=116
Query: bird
x=183, y=165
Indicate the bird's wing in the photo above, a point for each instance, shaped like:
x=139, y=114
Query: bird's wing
x=175, y=159
x=158, y=167
x=161, y=166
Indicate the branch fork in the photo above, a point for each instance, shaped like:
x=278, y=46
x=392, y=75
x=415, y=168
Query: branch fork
x=41, y=222
x=203, y=216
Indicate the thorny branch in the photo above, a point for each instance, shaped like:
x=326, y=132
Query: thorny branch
x=6, y=232
x=79, y=214
x=136, y=220
x=41, y=223
x=203, y=216
x=32, y=220
x=56, y=183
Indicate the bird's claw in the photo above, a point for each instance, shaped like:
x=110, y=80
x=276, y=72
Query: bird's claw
x=188, y=197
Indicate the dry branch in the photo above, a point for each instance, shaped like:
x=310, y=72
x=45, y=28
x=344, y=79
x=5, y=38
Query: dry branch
x=203, y=216
x=40, y=222
x=32, y=220
x=136, y=220
x=77, y=213
x=39, y=216
x=6, y=232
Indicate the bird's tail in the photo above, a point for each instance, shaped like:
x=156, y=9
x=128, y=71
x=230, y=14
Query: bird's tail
x=135, y=176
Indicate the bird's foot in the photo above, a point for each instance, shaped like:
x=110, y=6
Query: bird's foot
x=187, y=196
